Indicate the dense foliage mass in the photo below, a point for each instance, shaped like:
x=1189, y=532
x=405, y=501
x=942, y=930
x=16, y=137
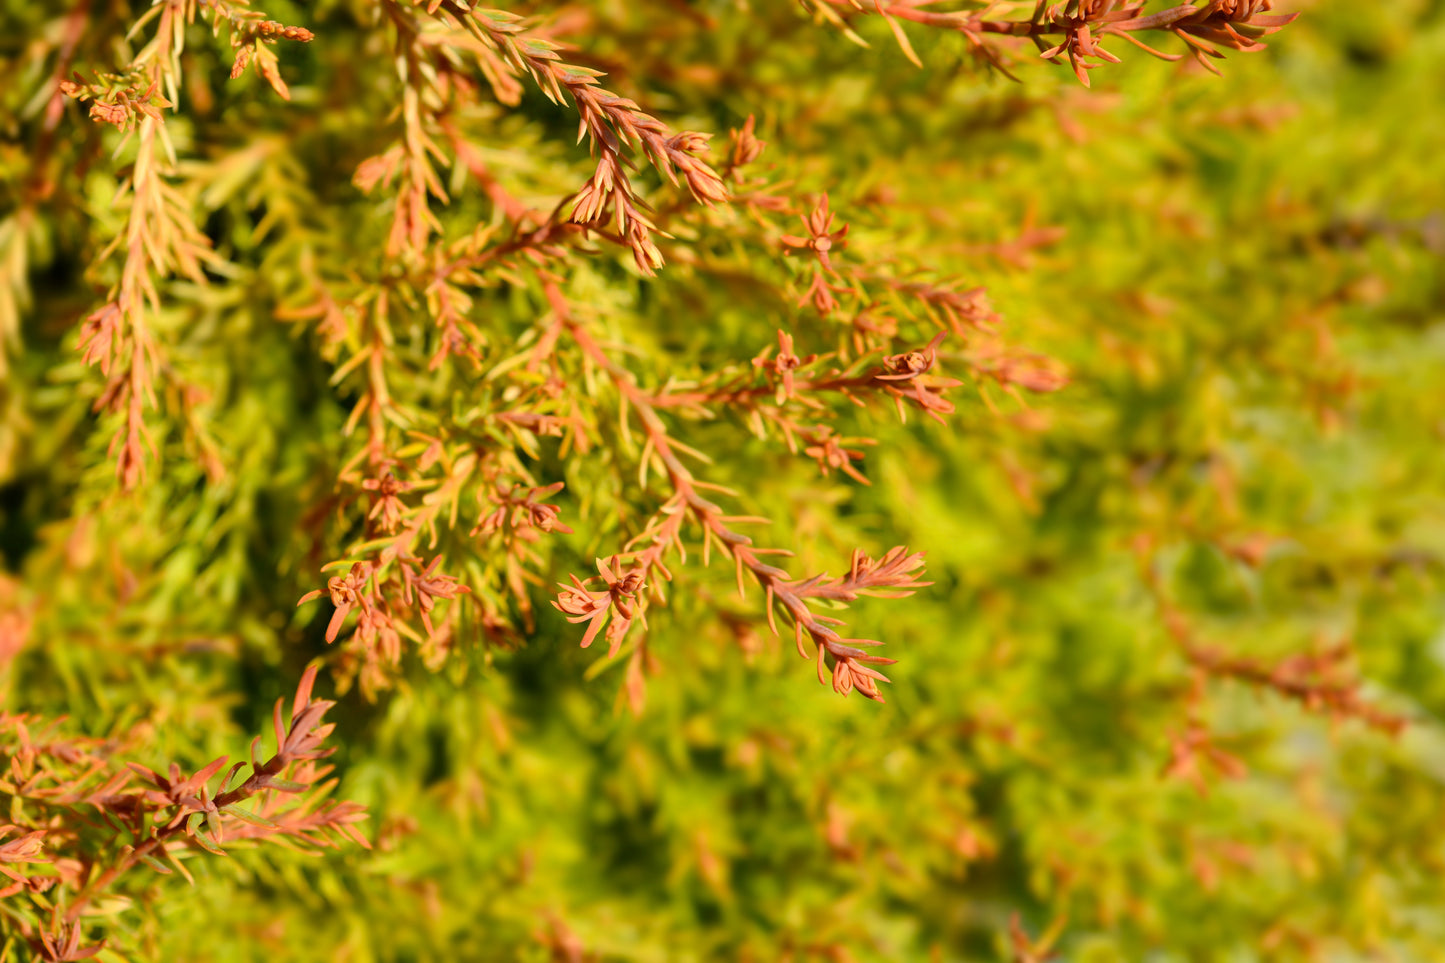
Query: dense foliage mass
x=488, y=335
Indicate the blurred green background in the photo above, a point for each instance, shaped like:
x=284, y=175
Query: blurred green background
x=1248, y=293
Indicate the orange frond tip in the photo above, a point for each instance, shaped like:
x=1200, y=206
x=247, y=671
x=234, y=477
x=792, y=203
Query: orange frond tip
x=149, y=775
x=593, y=629
x=903, y=43
x=204, y=775
x=303, y=690
x=870, y=673
x=280, y=727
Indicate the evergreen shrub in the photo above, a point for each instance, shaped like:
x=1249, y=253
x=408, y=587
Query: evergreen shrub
x=539, y=384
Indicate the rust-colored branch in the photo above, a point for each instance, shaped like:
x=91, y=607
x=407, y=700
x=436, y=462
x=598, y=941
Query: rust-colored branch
x=894, y=574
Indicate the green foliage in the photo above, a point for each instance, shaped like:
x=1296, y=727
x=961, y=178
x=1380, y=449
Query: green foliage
x=1175, y=690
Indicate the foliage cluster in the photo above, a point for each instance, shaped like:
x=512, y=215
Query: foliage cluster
x=322, y=302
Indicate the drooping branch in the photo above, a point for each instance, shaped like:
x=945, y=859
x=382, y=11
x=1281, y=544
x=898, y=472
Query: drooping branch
x=1075, y=30
x=894, y=575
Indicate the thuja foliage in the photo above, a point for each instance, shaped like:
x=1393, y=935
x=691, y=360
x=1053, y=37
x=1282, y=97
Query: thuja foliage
x=543, y=382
